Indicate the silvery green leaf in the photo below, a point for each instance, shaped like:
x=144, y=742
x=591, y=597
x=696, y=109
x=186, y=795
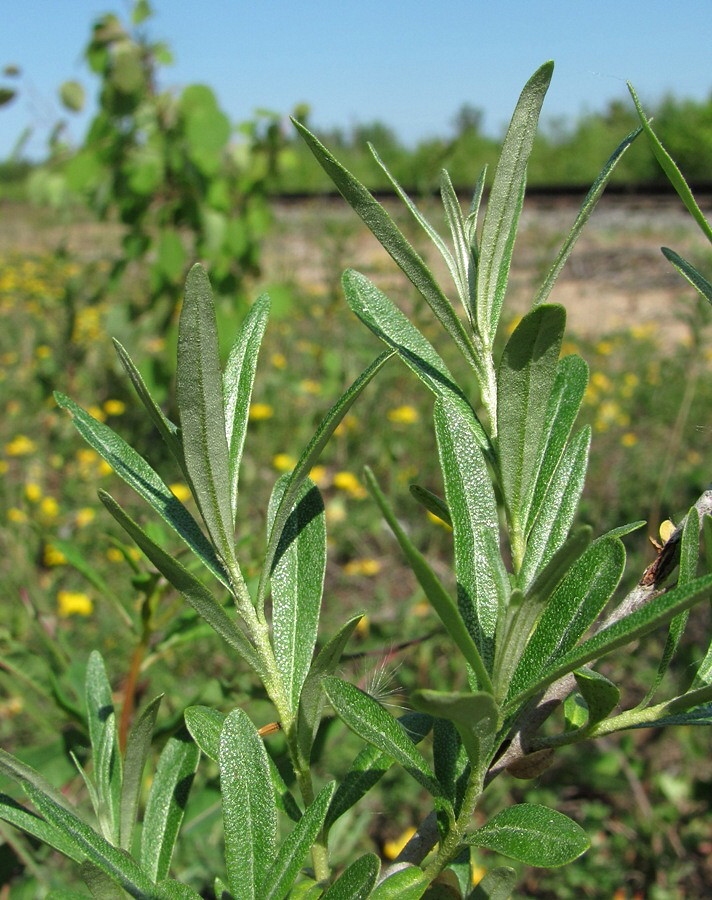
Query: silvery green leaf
x=482, y=581
x=249, y=811
x=504, y=204
x=571, y=609
x=476, y=717
x=138, y=746
x=297, y=580
x=15, y=814
x=388, y=323
x=166, y=803
x=532, y=834
x=199, y=394
x=525, y=379
x=369, y=720
x=357, y=880
x=139, y=475
x=238, y=379
x=101, y=722
x=600, y=694
x=688, y=271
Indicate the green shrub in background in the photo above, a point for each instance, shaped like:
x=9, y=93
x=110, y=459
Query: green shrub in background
x=166, y=167
x=534, y=604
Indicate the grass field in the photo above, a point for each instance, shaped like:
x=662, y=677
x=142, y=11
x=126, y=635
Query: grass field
x=643, y=797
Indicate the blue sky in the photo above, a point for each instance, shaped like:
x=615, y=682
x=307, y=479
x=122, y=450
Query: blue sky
x=409, y=64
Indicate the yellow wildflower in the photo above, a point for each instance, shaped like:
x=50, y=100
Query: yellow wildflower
x=666, y=530
x=601, y=381
x=53, y=557
x=20, y=445
x=33, y=492
x=84, y=516
x=49, y=508
x=279, y=360
x=604, y=348
x=349, y=483
x=362, y=566
x=260, y=411
x=15, y=515
x=319, y=475
x=283, y=462
x=97, y=412
x=113, y=554
x=180, y=491
x=43, y=351
x=74, y=603
x=629, y=439
x=438, y=521
x=310, y=386
x=114, y=407
x=363, y=627
x=403, y=415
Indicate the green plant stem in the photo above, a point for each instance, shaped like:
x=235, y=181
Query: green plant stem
x=452, y=843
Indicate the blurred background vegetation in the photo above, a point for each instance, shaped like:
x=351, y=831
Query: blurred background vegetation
x=95, y=241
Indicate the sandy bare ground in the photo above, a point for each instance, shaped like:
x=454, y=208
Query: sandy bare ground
x=616, y=276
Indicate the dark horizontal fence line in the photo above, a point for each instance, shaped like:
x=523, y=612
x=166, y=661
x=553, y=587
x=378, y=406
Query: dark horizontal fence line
x=702, y=191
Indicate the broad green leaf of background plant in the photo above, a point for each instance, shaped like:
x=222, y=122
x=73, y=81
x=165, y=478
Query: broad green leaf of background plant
x=199, y=394
x=525, y=379
x=504, y=204
x=482, y=581
x=297, y=581
x=101, y=723
x=166, y=802
x=139, y=475
x=476, y=717
x=370, y=721
x=238, y=379
x=534, y=835
x=388, y=323
x=249, y=812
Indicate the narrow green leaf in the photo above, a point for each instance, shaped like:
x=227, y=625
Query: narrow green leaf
x=437, y=596
x=392, y=240
x=238, y=380
x=101, y=722
x=571, y=609
x=688, y=271
x=249, y=812
x=371, y=765
x=100, y=885
x=23, y=774
x=658, y=611
x=434, y=504
x=199, y=394
x=308, y=458
x=138, y=746
x=388, y=323
x=482, y=580
x=297, y=581
x=312, y=697
x=166, y=803
x=194, y=591
x=175, y=890
x=456, y=224
x=116, y=863
x=137, y=473
x=370, y=721
x=534, y=835
x=471, y=225
x=587, y=207
x=600, y=694
x=557, y=509
x=167, y=429
x=670, y=168
x=497, y=884
x=563, y=407
x=205, y=724
x=476, y=717
x=448, y=756
x=13, y=812
x=525, y=381
x=356, y=881
x=282, y=873
x=409, y=883
x=505, y=203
